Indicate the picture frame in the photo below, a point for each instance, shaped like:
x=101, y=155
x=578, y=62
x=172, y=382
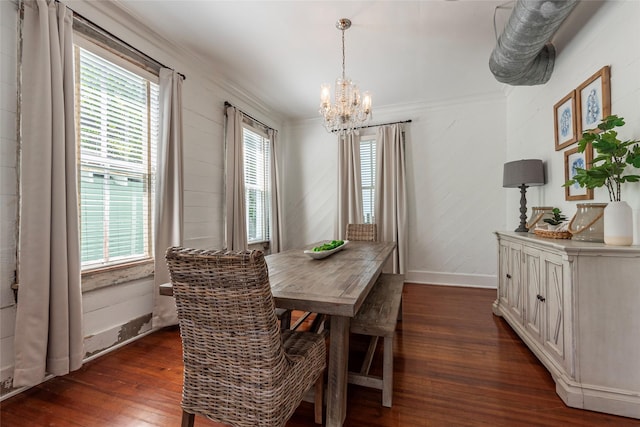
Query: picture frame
x=573, y=159
x=593, y=100
x=564, y=121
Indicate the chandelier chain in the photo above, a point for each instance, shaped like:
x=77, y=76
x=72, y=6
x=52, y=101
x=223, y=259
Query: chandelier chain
x=343, y=55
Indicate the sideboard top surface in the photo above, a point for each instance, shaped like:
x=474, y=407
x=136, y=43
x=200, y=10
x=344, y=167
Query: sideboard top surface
x=572, y=247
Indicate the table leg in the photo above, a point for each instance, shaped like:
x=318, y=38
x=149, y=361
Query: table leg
x=338, y=364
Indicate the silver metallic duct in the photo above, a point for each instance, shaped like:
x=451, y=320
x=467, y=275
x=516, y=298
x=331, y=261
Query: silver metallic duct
x=523, y=55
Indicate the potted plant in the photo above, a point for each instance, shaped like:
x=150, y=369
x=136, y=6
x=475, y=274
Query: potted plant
x=557, y=219
x=608, y=170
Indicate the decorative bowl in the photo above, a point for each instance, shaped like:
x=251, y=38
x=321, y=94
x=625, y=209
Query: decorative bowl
x=324, y=254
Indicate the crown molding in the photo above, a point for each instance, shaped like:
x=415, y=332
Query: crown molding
x=116, y=18
x=406, y=111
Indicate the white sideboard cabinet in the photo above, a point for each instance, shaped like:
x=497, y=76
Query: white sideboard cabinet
x=577, y=307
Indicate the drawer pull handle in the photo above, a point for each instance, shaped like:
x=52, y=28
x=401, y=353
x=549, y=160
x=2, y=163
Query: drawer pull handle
x=508, y=276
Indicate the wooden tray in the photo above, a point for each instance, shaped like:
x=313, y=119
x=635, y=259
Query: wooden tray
x=552, y=234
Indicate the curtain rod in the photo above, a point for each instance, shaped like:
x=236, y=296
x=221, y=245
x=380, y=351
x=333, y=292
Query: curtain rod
x=228, y=104
x=381, y=124
x=99, y=29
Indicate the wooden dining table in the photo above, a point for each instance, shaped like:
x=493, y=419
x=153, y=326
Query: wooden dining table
x=336, y=286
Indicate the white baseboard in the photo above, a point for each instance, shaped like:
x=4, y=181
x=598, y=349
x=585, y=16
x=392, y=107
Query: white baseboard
x=107, y=341
x=452, y=279
x=116, y=346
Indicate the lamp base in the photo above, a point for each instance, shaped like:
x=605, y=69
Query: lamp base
x=523, y=210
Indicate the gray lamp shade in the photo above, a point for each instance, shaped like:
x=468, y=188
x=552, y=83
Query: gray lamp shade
x=529, y=172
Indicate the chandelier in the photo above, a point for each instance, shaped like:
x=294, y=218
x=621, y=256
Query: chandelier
x=350, y=110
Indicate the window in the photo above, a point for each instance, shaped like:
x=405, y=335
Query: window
x=368, y=177
x=117, y=133
x=257, y=172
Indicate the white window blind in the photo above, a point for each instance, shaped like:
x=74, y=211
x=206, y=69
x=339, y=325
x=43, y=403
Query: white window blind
x=117, y=123
x=257, y=184
x=368, y=176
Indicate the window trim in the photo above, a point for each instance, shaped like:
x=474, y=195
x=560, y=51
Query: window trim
x=117, y=58
x=261, y=131
x=111, y=275
x=371, y=138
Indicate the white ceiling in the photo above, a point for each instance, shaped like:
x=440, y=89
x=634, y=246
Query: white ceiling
x=404, y=52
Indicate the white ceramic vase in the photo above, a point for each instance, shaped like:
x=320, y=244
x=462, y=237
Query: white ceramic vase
x=618, y=224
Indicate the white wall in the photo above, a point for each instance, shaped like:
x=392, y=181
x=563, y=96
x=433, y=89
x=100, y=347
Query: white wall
x=454, y=157
x=308, y=160
x=117, y=313
x=112, y=312
x=610, y=37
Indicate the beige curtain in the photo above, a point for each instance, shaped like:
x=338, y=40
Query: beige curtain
x=349, y=183
x=276, y=208
x=48, y=332
x=390, y=198
x=168, y=227
x=235, y=226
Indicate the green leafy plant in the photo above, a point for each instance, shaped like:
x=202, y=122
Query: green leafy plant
x=613, y=157
x=328, y=246
x=558, y=217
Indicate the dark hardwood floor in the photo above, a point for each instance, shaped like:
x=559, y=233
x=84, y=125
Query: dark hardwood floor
x=455, y=365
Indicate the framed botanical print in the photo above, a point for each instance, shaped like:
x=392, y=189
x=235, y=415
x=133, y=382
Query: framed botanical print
x=564, y=122
x=593, y=100
x=573, y=160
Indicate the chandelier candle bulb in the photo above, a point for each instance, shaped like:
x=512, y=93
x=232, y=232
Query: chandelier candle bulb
x=325, y=95
x=366, y=102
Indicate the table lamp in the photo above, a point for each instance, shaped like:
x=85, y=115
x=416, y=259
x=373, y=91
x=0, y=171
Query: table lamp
x=522, y=174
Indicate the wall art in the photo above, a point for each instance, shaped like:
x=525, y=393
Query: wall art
x=564, y=122
x=593, y=99
x=572, y=160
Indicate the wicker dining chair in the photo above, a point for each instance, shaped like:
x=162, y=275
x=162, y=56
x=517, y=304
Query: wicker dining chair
x=239, y=367
x=362, y=232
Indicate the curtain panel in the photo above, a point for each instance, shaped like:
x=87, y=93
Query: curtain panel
x=349, y=183
x=235, y=225
x=390, y=198
x=48, y=331
x=168, y=226
x=276, y=207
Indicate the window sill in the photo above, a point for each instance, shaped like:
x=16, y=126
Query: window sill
x=263, y=245
x=116, y=274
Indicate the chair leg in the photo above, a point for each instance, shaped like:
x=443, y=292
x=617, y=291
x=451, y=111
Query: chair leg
x=285, y=320
x=318, y=322
x=319, y=398
x=387, y=372
x=187, y=419
x=368, y=358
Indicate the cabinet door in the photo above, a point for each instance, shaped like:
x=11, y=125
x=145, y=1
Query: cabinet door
x=534, y=300
x=554, y=308
x=514, y=281
x=504, y=273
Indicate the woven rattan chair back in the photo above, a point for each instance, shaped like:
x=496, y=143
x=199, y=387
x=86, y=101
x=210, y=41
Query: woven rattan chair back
x=363, y=232
x=236, y=368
